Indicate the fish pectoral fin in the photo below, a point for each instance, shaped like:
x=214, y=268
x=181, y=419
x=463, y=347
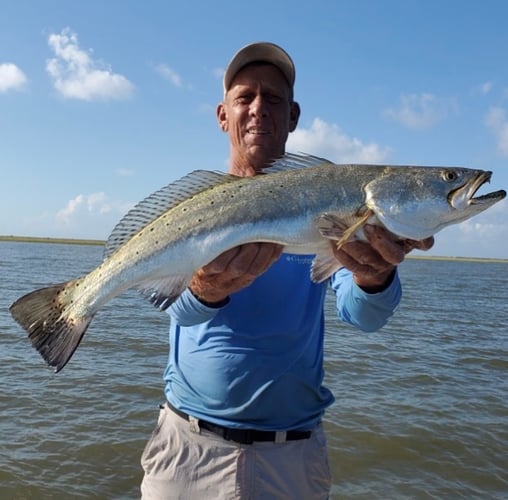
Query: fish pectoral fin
x=324, y=265
x=331, y=226
x=334, y=228
x=163, y=291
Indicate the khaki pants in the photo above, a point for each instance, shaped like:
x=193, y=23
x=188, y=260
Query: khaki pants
x=180, y=463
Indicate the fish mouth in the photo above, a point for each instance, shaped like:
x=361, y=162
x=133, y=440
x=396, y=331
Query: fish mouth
x=465, y=195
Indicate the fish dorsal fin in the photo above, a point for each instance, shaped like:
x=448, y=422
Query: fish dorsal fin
x=159, y=202
x=292, y=161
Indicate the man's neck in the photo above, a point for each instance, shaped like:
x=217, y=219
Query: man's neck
x=245, y=166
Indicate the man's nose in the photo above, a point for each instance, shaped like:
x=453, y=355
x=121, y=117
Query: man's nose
x=259, y=106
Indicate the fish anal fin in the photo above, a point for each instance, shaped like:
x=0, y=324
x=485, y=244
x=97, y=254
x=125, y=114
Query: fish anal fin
x=323, y=266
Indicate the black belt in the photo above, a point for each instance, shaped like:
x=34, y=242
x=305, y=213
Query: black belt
x=242, y=436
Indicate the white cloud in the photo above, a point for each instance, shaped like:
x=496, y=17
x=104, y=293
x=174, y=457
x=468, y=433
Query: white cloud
x=420, y=111
x=11, y=78
x=95, y=203
x=483, y=88
x=95, y=211
x=489, y=223
x=124, y=172
x=486, y=87
x=485, y=235
x=328, y=140
x=169, y=74
x=76, y=75
x=497, y=122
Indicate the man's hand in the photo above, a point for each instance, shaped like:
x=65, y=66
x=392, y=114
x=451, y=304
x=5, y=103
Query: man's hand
x=233, y=270
x=373, y=263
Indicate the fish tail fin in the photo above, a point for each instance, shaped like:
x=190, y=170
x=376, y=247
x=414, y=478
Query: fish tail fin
x=46, y=315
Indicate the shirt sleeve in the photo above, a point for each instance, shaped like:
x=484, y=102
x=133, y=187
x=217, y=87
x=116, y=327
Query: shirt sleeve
x=368, y=312
x=187, y=310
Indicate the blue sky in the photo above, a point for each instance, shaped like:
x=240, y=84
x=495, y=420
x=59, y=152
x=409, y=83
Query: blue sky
x=103, y=102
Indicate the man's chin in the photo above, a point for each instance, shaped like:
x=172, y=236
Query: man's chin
x=262, y=155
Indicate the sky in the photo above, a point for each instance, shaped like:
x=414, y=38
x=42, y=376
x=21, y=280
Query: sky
x=104, y=102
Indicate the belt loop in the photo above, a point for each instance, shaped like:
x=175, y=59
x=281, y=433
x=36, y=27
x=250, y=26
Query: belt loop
x=194, y=424
x=280, y=436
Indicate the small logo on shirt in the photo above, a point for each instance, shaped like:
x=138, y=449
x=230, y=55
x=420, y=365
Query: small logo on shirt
x=300, y=259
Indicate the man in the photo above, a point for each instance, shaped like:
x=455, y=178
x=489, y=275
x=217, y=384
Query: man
x=244, y=379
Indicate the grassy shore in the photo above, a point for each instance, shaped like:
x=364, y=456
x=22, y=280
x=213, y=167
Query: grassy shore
x=71, y=241
x=458, y=259
x=66, y=241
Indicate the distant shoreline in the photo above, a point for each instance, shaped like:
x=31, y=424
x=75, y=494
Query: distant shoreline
x=75, y=241
x=66, y=241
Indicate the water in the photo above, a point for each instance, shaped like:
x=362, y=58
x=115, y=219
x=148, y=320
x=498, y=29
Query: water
x=421, y=410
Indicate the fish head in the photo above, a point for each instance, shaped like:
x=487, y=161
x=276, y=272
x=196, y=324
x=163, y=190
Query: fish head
x=417, y=202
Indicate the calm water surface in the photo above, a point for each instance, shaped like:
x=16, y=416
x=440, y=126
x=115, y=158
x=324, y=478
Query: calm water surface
x=421, y=407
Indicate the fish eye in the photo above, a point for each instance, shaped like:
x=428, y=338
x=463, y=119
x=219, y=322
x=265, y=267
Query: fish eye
x=449, y=175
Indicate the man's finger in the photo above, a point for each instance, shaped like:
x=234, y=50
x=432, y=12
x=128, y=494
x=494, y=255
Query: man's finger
x=221, y=263
x=385, y=245
x=267, y=254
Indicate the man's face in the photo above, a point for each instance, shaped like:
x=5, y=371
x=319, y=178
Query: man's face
x=258, y=113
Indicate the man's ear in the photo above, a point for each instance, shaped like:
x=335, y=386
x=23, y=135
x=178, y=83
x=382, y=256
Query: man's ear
x=222, y=117
x=294, y=114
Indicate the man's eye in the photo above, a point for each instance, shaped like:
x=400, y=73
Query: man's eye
x=274, y=99
x=244, y=99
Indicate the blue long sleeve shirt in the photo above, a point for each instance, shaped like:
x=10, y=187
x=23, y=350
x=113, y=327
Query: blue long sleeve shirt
x=257, y=362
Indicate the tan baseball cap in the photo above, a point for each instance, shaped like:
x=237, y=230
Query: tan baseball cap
x=260, y=52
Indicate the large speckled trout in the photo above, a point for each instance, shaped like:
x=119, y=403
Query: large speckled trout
x=303, y=203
